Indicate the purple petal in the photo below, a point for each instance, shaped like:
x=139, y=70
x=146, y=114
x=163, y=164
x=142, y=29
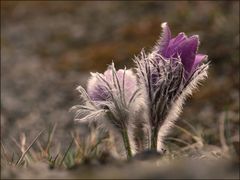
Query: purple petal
x=108, y=75
x=130, y=82
x=173, y=45
x=187, y=51
x=198, y=59
x=96, y=89
x=162, y=44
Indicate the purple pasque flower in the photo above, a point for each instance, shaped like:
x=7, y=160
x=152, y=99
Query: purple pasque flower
x=180, y=46
x=110, y=100
x=167, y=76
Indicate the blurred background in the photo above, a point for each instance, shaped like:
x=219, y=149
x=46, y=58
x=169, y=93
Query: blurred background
x=49, y=48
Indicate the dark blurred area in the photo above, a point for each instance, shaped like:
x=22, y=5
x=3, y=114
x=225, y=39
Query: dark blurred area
x=49, y=48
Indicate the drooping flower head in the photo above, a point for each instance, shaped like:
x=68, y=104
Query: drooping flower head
x=167, y=76
x=182, y=47
x=110, y=100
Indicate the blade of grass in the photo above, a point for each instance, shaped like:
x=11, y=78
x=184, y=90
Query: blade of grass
x=196, y=138
x=50, y=137
x=222, y=137
x=5, y=152
x=40, y=146
x=15, y=141
x=12, y=158
x=190, y=126
x=70, y=158
x=53, y=162
x=177, y=140
x=65, y=154
x=94, y=148
x=22, y=142
x=18, y=145
x=23, y=154
x=78, y=146
x=191, y=146
x=33, y=155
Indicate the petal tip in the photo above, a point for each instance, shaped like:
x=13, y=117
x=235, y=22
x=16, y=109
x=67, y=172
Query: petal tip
x=195, y=37
x=164, y=25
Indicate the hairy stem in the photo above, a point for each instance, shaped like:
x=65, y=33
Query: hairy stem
x=126, y=143
x=154, y=138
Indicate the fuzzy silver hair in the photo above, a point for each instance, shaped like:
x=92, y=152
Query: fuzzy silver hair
x=165, y=87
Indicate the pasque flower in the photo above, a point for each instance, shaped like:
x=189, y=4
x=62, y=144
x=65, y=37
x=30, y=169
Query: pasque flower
x=110, y=100
x=167, y=76
x=119, y=101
